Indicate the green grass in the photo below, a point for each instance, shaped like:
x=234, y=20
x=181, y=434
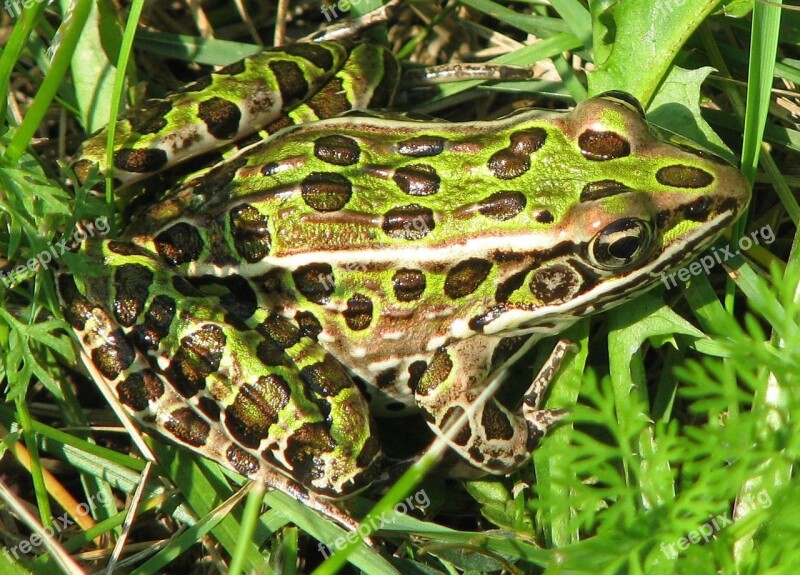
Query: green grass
x=681, y=403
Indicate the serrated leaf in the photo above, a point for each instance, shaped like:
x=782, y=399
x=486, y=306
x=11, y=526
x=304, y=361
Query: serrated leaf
x=676, y=107
x=93, y=70
x=635, y=42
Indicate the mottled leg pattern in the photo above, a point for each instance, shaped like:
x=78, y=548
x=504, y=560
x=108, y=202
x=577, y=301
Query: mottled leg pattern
x=234, y=382
x=495, y=439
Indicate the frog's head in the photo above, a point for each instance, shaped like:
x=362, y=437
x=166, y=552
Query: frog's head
x=631, y=208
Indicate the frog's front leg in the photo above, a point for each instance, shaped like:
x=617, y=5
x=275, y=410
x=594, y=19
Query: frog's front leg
x=494, y=439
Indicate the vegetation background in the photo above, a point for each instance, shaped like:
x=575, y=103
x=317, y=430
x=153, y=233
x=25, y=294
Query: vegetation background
x=683, y=403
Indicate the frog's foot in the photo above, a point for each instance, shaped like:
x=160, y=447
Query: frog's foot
x=541, y=420
x=492, y=438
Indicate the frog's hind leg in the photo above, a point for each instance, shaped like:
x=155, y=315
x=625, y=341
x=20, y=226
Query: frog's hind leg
x=457, y=385
x=259, y=396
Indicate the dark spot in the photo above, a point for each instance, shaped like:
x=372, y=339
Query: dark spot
x=114, y=357
x=179, y=244
x=417, y=180
x=326, y=191
x=209, y=408
x=383, y=93
x=408, y=284
x=250, y=232
x=386, y=378
x=291, y=81
x=465, y=277
x=698, y=210
x=309, y=325
x=256, y=408
x=221, y=117
x=280, y=330
x=198, y=356
x=205, y=347
x=544, y=216
x=187, y=427
x=271, y=283
x=502, y=205
x=315, y=53
x=196, y=86
x=507, y=165
x=157, y=321
x=140, y=161
x=231, y=69
x=315, y=282
x=602, y=189
x=139, y=389
x=527, y=141
x=244, y=463
x=411, y=222
x=270, y=168
x=358, y=314
x=337, y=150
x=272, y=355
x=330, y=101
x=496, y=423
x=602, y=146
x=476, y=455
x=684, y=177
x=77, y=310
x=326, y=378
x=438, y=371
x=304, y=450
x=507, y=347
x=132, y=283
x=508, y=256
x=421, y=146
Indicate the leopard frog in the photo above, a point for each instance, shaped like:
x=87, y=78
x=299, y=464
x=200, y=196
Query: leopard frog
x=342, y=266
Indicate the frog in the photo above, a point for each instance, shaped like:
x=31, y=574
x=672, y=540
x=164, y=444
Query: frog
x=343, y=264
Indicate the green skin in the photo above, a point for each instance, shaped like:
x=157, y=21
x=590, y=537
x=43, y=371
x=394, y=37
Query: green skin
x=417, y=256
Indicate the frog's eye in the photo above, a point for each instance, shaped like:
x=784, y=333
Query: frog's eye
x=621, y=243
